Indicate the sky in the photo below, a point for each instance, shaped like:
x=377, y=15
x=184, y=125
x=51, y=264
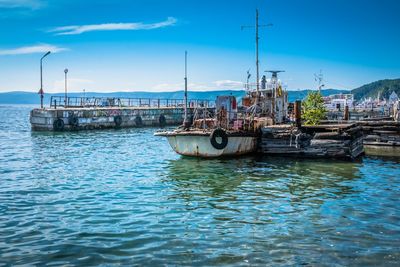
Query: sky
x=139, y=45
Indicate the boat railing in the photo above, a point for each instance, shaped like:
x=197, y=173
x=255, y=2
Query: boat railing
x=242, y=119
x=252, y=87
x=98, y=102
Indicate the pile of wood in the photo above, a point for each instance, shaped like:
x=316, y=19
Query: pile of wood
x=283, y=139
x=381, y=135
x=327, y=141
x=340, y=143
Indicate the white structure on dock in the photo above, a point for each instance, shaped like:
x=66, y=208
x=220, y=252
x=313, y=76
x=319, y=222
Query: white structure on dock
x=272, y=98
x=393, y=98
x=339, y=101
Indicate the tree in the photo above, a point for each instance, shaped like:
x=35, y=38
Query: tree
x=313, y=110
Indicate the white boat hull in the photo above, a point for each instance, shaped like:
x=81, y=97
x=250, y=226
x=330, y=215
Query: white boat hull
x=200, y=145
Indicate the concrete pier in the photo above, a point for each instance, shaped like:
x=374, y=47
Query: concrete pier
x=89, y=113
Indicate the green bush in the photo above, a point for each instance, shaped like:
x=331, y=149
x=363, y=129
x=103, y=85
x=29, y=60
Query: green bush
x=313, y=108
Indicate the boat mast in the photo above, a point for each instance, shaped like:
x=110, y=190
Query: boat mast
x=257, y=26
x=257, y=61
x=320, y=79
x=185, y=107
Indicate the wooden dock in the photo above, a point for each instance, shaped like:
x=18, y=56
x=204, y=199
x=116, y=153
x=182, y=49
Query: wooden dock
x=342, y=141
x=381, y=137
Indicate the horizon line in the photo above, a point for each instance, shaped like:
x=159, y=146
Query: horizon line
x=175, y=91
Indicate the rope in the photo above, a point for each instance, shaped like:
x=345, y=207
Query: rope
x=291, y=137
x=297, y=140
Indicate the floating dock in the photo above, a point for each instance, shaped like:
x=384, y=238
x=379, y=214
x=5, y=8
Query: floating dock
x=342, y=141
x=84, y=113
x=381, y=138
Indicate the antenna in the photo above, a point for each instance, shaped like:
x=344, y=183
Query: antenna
x=320, y=79
x=274, y=80
x=248, y=78
x=257, y=61
x=275, y=73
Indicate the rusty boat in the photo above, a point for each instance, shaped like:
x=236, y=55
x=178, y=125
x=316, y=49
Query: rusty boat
x=226, y=133
x=210, y=144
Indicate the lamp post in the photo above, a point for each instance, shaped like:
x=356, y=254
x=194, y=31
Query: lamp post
x=84, y=97
x=41, y=92
x=65, y=98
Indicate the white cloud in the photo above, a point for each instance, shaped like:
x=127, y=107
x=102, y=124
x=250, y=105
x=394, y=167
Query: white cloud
x=217, y=85
x=229, y=84
x=169, y=87
x=42, y=48
x=78, y=29
x=30, y=4
x=73, y=84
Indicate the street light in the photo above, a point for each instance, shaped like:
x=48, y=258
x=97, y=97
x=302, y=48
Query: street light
x=65, y=98
x=41, y=92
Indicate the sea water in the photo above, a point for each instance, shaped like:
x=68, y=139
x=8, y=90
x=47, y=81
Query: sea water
x=123, y=197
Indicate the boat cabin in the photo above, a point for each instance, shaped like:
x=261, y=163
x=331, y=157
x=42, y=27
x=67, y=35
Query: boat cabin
x=271, y=98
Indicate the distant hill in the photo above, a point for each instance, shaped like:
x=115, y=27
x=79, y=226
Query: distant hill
x=382, y=87
x=20, y=97
x=301, y=94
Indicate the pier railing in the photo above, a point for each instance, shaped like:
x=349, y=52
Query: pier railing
x=82, y=102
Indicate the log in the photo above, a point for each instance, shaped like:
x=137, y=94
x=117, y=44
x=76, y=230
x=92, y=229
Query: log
x=332, y=136
x=384, y=132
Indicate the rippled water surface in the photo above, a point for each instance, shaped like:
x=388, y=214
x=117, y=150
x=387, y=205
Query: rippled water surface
x=123, y=197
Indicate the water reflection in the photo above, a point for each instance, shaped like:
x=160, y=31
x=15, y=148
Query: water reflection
x=207, y=177
x=262, y=176
x=268, y=203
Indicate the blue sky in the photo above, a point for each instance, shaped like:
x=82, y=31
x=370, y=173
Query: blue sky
x=138, y=45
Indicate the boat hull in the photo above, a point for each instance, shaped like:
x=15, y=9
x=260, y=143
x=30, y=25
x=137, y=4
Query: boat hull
x=200, y=145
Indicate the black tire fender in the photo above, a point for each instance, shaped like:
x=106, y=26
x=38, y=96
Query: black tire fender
x=138, y=121
x=221, y=134
x=58, y=125
x=74, y=121
x=118, y=120
x=162, y=120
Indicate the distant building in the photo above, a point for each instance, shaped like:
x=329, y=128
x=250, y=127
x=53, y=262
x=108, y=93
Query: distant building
x=393, y=98
x=339, y=101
